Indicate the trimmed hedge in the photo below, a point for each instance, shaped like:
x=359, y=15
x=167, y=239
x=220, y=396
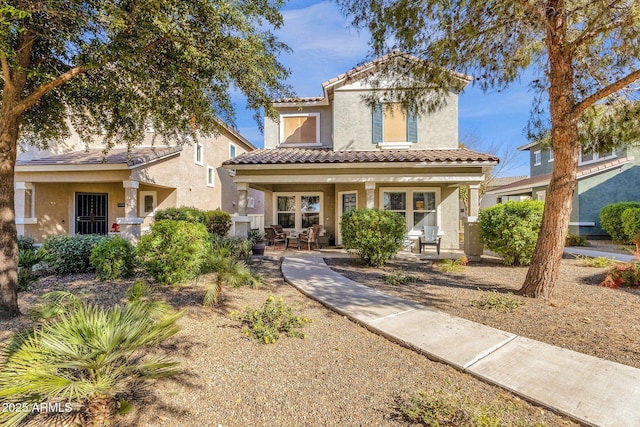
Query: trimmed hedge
x=631, y=223
x=511, y=230
x=611, y=220
x=70, y=254
x=217, y=222
x=184, y=213
x=374, y=235
x=113, y=258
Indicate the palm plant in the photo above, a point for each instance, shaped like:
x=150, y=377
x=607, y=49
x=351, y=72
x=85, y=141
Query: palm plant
x=86, y=354
x=227, y=271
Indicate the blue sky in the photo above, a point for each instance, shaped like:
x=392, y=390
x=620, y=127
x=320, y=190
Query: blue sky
x=324, y=46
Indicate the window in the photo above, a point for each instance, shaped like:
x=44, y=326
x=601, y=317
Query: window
x=149, y=127
x=28, y=216
x=251, y=202
x=393, y=124
x=298, y=210
x=211, y=176
x=550, y=155
x=232, y=151
x=537, y=158
x=540, y=195
x=418, y=206
x=147, y=203
x=300, y=129
x=199, y=155
x=590, y=156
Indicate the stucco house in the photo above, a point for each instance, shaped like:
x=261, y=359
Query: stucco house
x=332, y=153
x=603, y=178
x=74, y=188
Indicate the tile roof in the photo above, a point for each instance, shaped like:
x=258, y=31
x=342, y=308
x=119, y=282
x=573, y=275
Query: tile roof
x=136, y=157
x=583, y=171
x=276, y=156
x=298, y=100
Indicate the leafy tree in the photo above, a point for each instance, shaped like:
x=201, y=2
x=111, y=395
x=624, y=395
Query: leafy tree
x=108, y=67
x=584, y=56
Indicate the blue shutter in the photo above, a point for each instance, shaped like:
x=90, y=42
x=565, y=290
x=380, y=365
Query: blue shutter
x=412, y=126
x=377, y=124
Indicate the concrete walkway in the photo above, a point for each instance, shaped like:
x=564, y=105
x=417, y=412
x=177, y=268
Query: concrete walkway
x=590, y=390
x=596, y=254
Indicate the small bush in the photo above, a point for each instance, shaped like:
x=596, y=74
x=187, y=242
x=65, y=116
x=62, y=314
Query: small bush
x=228, y=271
x=25, y=243
x=374, y=235
x=113, y=258
x=452, y=266
x=26, y=260
x=218, y=222
x=611, y=220
x=493, y=300
x=184, y=213
x=598, y=262
x=623, y=275
x=70, y=254
x=174, y=250
x=511, y=230
x=272, y=319
x=631, y=224
x=397, y=277
x=238, y=248
x=576, y=240
x=255, y=236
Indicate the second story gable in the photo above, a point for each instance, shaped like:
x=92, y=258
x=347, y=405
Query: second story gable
x=342, y=120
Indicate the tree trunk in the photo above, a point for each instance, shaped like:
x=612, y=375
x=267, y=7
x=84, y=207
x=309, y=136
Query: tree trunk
x=545, y=264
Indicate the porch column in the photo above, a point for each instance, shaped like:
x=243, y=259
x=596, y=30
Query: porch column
x=472, y=243
x=371, y=194
x=130, y=223
x=241, y=222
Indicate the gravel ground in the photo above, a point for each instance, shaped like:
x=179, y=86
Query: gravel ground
x=339, y=375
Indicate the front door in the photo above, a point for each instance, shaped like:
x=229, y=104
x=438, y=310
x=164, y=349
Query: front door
x=348, y=201
x=91, y=213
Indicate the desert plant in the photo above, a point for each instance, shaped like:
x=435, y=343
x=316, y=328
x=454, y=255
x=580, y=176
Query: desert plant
x=272, y=319
x=85, y=354
x=217, y=222
x=452, y=266
x=511, y=230
x=374, y=235
x=228, y=271
x=27, y=258
x=70, y=254
x=611, y=220
x=25, y=243
x=494, y=300
x=174, y=250
x=575, y=240
x=397, y=277
x=184, y=213
x=113, y=258
x=238, y=247
x=598, y=262
x=625, y=275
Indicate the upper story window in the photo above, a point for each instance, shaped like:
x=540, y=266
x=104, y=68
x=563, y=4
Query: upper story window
x=393, y=124
x=303, y=128
x=211, y=176
x=199, y=154
x=550, y=155
x=590, y=156
x=232, y=151
x=537, y=158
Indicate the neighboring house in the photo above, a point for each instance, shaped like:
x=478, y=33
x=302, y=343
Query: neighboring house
x=330, y=154
x=603, y=178
x=489, y=198
x=76, y=189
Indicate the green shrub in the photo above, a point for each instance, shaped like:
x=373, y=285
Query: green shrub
x=272, y=319
x=25, y=243
x=174, y=250
x=631, y=223
x=397, y=277
x=511, y=230
x=227, y=271
x=218, y=222
x=113, y=258
x=83, y=354
x=70, y=254
x=575, y=240
x=374, y=235
x=255, y=236
x=184, y=213
x=625, y=275
x=238, y=248
x=494, y=300
x=611, y=220
x=598, y=262
x=27, y=258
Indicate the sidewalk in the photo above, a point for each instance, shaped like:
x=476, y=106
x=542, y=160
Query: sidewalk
x=590, y=390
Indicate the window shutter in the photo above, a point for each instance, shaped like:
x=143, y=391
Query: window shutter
x=377, y=124
x=412, y=126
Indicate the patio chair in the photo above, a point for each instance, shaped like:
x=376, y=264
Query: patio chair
x=431, y=237
x=273, y=238
x=279, y=230
x=309, y=237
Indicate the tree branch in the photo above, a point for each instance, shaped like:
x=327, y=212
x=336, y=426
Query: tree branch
x=6, y=72
x=45, y=88
x=604, y=92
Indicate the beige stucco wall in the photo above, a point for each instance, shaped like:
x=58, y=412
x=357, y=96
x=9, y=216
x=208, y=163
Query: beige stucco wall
x=272, y=128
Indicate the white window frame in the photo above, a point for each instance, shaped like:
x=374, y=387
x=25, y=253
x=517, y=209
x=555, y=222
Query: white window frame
x=541, y=195
x=551, y=158
x=211, y=176
x=537, y=158
x=198, y=148
x=29, y=217
x=251, y=202
x=318, y=143
x=298, y=212
x=597, y=158
x=141, y=195
x=233, y=151
x=409, y=198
